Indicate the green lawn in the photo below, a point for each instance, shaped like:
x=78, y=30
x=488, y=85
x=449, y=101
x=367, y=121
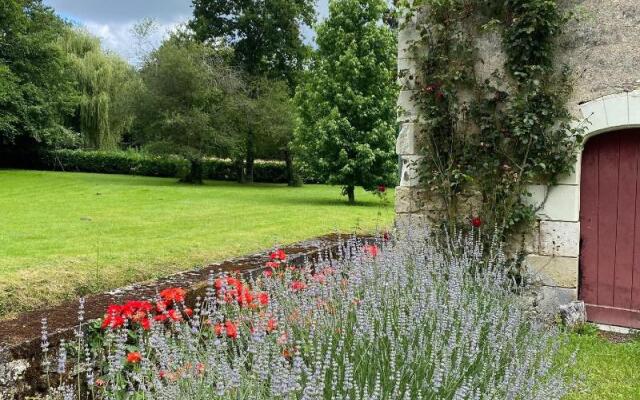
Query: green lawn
x=605, y=370
x=68, y=234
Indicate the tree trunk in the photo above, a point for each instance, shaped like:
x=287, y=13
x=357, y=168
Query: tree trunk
x=239, y=167
x=250, y=157
x=351, y=193
x=195, y=173
x=292, y=177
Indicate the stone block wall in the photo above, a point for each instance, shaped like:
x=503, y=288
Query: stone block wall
x=602, y=48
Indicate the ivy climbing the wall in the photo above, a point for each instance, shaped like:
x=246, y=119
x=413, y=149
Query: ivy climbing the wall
x=487, y=137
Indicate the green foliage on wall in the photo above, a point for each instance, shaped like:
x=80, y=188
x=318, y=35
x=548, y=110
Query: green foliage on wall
x=492, y=137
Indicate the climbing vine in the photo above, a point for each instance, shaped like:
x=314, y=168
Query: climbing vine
x=487, y=136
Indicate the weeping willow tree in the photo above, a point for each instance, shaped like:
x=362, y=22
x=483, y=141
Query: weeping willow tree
x=104, y=82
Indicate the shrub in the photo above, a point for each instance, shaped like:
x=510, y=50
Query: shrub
x=404, y=320
x=137, y=163
x=110, y=162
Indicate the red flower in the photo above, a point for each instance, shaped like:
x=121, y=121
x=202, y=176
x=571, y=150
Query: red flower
x=267, y=273
x=382, y=188
x=161, y=317
x=112, y=321
x=386, y=236
x=278, y=255
x=297, y=286
x=372, y=250
x=134, y=357
x=188, y=312
x=263, y=298
x=173, y=295
x=145, y=323
x=229, y=328
x=174, y=315
x=272, y=264
x=476, y=222
x=272, y=325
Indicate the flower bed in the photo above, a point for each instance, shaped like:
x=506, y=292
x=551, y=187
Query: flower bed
x=408, y=319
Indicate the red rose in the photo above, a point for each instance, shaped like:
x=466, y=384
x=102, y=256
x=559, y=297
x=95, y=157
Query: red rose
x=476, y=222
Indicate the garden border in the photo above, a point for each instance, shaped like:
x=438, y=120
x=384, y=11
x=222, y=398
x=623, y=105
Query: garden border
x=20, y=338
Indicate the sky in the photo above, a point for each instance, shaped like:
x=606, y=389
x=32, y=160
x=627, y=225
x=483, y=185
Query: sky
x=112, y=20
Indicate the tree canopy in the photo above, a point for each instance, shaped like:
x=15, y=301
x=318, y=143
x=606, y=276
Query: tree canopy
x=347, y=101
x=36, y=89
x=104, y=83
x=266, y=35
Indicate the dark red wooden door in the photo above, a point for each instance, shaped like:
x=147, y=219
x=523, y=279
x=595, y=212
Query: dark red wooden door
x=610, y=228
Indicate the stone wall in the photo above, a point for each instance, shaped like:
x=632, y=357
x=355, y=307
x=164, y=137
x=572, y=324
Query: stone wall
x=602, y=47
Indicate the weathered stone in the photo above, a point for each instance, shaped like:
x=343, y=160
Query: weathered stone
x=601, y=48
x=555, y=203
x=491, y=58
x=551, y=298
x=559, y=238
x=410, y=175
x=407, y=108
x=12, y=382
x=553, y=271
x=573, y=314
x=406, y=143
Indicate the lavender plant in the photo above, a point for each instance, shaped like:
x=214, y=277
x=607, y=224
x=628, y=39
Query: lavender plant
x=411, y=319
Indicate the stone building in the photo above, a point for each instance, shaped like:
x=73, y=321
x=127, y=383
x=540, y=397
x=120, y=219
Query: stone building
x=586, y=244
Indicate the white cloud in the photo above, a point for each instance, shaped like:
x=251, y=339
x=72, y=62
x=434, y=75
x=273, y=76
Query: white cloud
x=117, y=37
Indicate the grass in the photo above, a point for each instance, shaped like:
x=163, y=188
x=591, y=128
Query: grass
x=68, y=234
x=604, y=369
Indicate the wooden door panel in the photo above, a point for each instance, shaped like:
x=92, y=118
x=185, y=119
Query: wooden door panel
x=608, y=161
x=609, y=217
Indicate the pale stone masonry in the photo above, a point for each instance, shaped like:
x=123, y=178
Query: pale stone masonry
x=603, y=49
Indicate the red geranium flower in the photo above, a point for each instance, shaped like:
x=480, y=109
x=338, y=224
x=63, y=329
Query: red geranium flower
x=476, y=222
x=145, y=324
x=263, y=298
x=112, y=321
x=372, y=250
x=272, y=325
x=278, y=255
x=229, y=328
x=297, y=286
x=134, y=357
x=267, y=273
x=188, y=312
x=173, y=295
x=272, y=264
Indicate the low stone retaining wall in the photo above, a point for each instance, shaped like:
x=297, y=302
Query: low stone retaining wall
x=20, y=338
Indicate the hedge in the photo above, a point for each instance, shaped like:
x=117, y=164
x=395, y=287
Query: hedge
x=136, y=163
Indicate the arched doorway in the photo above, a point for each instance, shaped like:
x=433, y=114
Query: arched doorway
x=610, y=228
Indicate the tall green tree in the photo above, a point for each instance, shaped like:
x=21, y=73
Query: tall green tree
x=36, y=90
x=188, y=103
x=347, y=101
x=104, y=82
x=267, y=40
